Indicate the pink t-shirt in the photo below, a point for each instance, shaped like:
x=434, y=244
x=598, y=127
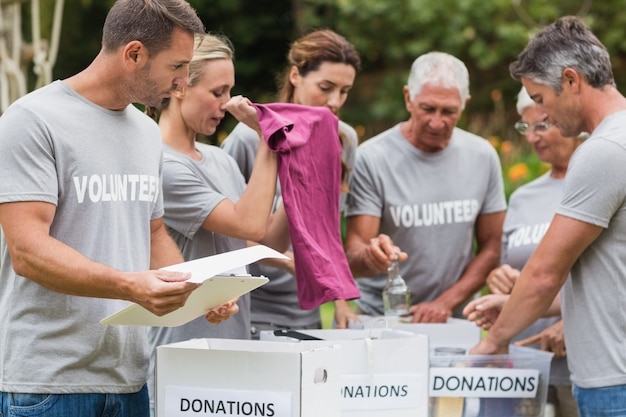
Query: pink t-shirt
x=306, y=140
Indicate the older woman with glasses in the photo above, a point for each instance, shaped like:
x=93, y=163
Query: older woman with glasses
x=522, y=127
x=530, y=211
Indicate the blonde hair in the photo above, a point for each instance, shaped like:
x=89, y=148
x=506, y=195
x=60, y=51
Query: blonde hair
x=206, y=48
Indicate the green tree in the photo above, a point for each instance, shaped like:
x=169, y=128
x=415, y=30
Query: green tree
x=486, y=35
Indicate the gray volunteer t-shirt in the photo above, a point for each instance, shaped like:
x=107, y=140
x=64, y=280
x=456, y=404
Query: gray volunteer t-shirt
x=428, y=204
x=593, y=298
x=191, y=190
x=101, y=169
x=531, y=209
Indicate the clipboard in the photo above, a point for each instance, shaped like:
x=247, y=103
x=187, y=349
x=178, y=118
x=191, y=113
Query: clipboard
x=213, y=292
x=219, y=285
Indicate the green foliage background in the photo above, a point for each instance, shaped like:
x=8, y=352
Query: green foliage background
x=486, y=34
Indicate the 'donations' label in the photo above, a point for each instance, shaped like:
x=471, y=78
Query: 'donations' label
x=183, y=401
x=381, y=391
x=483, y=382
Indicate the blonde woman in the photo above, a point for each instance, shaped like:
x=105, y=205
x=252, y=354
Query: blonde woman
x=208, y=207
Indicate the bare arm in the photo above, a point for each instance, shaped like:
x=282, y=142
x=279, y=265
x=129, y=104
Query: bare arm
x=163, y=249
x=344, y=314
x=248, y=218
x=539, y=281
x=52, y=264
x=555, y=307
x=277, y=233
x=484, y=311
x=368, y=252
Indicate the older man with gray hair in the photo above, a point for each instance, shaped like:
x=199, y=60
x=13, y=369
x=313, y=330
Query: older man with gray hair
x=422, y=191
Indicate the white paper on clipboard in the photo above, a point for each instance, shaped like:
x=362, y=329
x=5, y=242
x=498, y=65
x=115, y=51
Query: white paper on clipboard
x=220, y=284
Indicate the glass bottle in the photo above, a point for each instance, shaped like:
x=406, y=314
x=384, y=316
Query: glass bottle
x=396, y=295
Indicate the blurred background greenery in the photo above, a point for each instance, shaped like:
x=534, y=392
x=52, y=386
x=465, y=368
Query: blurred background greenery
x=486, y=35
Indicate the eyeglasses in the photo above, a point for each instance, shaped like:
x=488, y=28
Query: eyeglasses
x=523, y=127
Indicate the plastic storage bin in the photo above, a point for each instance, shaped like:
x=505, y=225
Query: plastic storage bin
x=513, y=385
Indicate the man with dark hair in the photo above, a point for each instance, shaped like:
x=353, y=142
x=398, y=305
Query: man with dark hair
x=81, y=213
x=567, y=71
